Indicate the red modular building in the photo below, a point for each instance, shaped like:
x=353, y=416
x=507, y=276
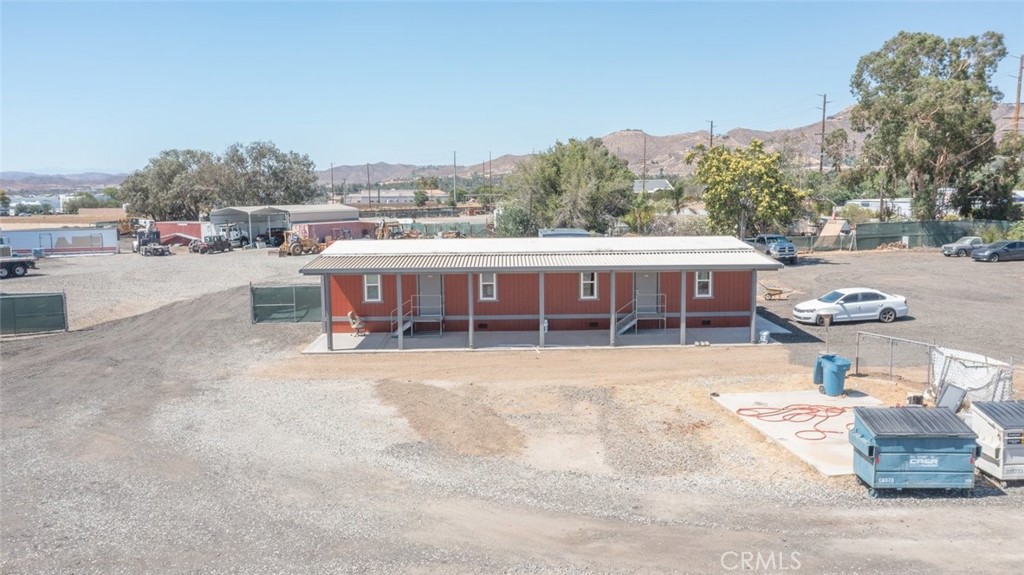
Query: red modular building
x=540, y=284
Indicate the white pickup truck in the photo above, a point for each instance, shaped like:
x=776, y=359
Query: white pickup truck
x=775, y=245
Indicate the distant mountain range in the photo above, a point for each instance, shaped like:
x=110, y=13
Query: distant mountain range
x=665, y=156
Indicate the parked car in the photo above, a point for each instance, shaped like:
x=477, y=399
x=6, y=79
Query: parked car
x=211, y=244
x=962, y=247
x=1004, y=250
x=852, y=304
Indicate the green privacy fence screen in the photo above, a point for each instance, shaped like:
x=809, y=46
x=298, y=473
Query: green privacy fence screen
x=922, y=234
x=916, y=234
x=286, y=304
x=32, y=313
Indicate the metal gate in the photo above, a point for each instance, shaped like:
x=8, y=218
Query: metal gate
x=286, y=304
x=32, y=313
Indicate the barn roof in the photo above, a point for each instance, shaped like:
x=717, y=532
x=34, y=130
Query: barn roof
x=539, y=254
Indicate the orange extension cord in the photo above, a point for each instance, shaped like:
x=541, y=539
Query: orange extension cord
x=797, y=413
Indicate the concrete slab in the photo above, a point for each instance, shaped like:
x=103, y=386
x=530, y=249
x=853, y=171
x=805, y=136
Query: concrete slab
x=797, y=429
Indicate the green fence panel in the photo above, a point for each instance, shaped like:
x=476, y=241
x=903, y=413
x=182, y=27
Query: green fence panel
x=32, y=313
x=922, y=233
x=286, y=304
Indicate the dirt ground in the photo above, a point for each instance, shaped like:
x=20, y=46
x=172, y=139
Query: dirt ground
x=185, y=439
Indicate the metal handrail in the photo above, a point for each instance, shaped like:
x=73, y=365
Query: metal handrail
x=406, y=315
x=417, y=306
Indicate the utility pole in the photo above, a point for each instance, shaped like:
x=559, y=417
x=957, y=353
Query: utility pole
x=711, y=134
x=368, y=197
x=821, y=154
x=332, y=181
x=644, y=169
x=1016, y=113
x=455, y=169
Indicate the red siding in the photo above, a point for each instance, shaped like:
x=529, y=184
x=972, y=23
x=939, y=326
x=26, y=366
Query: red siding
x=730, y=292
x=518, y=294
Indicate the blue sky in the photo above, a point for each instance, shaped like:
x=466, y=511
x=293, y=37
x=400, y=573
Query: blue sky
x=107, y=86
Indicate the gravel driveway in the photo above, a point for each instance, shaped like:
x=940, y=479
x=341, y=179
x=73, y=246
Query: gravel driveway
x=167, y=434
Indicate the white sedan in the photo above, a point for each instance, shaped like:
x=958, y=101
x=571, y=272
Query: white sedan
x=851, y=304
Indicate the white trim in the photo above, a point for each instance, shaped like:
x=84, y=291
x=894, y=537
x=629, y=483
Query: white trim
x=697, y=281
x=493, y=283
x=367, y=284
x=592, y=282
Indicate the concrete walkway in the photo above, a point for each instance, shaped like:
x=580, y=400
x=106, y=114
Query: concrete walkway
x=508, y=340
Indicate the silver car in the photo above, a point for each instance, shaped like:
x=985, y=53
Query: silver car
x=852, y=304
x=962, y=247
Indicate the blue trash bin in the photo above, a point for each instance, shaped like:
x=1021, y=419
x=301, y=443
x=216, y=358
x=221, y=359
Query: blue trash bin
x=834, y=375
x=819, y=367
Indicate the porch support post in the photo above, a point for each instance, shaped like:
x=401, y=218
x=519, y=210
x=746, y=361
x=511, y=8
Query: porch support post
x=469, y=305
x=611, y=310
x=325, y=286
x=753, y=306
x=682, y=307
x=401, y=312
x=540, y=287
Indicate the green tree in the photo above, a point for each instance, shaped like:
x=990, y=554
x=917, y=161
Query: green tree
x=79, y=201
x=578, y=184
x=512, y=220
x=837, y=149
x=745, y=186
x=5, y=200
x=177, y=184
x=987, y=192
x=855, y=214
x=925, y=104
x=261, y=174
x=420, y=198
x=640, y=217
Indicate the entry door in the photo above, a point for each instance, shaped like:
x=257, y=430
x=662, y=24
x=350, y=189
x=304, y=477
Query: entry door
x=645, y=285
x=431, y=294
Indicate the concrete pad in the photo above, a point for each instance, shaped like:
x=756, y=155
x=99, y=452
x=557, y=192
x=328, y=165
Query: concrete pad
x=830, y=453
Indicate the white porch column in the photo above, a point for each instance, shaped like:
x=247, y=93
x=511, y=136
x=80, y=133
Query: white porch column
x=682, y=307
x=753, y=306
x=325, y=286
x=469, y=305
x=611, y=312
x=540, y=285
x=401, y=312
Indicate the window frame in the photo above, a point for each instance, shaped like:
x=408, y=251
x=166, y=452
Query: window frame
x=697, y=281
x=493, y=283
x=366, y=289
x=591, y=282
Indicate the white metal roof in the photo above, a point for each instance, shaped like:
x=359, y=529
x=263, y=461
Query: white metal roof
x=539, y=254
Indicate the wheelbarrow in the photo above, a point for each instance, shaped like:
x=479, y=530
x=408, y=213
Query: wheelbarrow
x=775, y=293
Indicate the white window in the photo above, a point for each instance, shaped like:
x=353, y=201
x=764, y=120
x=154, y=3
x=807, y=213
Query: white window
x=588, y=285
x=371, y=287
x=488, y=286
x=703, y=284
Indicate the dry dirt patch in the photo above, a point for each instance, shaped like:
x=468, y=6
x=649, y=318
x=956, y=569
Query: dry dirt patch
x=451, y=420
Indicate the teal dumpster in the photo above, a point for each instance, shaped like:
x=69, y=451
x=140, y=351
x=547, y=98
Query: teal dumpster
x=830, y=374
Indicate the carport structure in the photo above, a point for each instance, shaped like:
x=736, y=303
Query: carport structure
x=421, y=287
x=257, y=219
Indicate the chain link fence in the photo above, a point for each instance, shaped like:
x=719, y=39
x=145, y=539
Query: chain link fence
x=33, y=313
